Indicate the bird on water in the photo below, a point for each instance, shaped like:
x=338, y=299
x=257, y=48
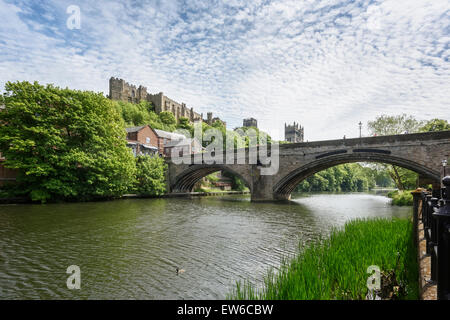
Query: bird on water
x=180, y=271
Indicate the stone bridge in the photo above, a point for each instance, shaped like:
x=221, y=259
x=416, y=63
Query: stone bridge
x=419, y=152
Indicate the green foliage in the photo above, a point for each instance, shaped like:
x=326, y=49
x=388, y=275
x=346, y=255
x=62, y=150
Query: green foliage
x=385, y=125
x=345, y=177
x=259, y=134
x=382, y=177
x=237, y=184
x=142, y=113
x=213, y=177
x=435, y=125
x=388, y=125
x=150, y=175
x=66, y=144
x=183, y=123
x=401, y=198
x=168, y=120
x=336, y=268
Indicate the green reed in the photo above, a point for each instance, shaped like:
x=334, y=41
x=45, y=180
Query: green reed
x=336, y=268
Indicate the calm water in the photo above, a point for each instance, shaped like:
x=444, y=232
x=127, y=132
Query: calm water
x=129, y=249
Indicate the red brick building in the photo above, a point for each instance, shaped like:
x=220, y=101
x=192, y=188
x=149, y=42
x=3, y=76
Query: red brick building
x=142, y=140
x=165, y=138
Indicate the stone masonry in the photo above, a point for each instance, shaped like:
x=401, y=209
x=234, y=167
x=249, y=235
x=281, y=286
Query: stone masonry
x=123, y=91
x=420, y=152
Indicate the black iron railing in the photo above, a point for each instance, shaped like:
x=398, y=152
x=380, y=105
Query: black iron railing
x=435, y=216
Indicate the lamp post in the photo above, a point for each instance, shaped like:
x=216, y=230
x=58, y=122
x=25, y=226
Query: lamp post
x=360, y=126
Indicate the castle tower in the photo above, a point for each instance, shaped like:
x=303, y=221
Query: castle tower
x=116, y=89
x=294, y=133
x=250, y=122
x=209, y=118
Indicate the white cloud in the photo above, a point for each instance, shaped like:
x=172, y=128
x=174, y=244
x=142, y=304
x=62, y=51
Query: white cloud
x=325, y=64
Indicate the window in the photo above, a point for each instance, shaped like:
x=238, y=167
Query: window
x=147, y=140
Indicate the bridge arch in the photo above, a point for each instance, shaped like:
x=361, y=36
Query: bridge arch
x=185, y=181
x=286, y=185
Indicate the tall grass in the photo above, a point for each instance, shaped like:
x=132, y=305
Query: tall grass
x=336, y=268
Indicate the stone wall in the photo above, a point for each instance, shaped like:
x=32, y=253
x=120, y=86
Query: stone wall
x=421, y=152
x=121, y=90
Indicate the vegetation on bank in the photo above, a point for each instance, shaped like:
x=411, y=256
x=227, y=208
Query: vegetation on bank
x=66, y=144
x=401, y=198
x=150, y=176
x=336, y=268
x=404, y=179
x=208, y=183
x=345, y=177
x=69, y=145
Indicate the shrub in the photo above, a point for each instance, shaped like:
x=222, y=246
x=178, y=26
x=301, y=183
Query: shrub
x=401, y=198
x=150, y=176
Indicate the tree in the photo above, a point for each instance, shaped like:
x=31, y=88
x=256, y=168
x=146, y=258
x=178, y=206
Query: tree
x=345, y=177
x=183, y=123
x=387, y=125
x=150, y=175
x=66, y=144
x=435, y=125
x=168, y=120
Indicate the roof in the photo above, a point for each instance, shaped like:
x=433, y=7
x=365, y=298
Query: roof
x=183, y=142
x=135, y=129
x=134, y=142
x=169, y=135
x=146, y=146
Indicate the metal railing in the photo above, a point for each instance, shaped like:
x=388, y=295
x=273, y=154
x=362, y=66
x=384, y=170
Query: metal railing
x=435, y=216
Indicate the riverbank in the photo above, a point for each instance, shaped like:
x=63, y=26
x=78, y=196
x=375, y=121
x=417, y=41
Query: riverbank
x=336, y=268
x=401, y=198
x=19, y=200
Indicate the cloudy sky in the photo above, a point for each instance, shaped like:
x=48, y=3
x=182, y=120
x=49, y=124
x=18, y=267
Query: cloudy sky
x=326, y=64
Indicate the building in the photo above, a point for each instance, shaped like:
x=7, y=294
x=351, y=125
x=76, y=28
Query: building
x=142, y=140
x=294, y=133
x=250, y=122
x=164, y=137
x=123, y=91
x=210, y=120
x=182, y=147
x=223, y=183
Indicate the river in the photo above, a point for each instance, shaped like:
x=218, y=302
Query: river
x=129, y=249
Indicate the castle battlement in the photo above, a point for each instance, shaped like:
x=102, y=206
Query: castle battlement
x=294, y=133
x=121, y=90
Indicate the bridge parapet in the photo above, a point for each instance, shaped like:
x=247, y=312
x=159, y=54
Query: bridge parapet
x=420, y=152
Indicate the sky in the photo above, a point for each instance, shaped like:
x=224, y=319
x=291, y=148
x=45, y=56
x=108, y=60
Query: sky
x=326, y=64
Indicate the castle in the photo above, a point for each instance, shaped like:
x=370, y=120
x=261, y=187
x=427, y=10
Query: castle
x=250, y=122
x=123, y=91
x=294, y=133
